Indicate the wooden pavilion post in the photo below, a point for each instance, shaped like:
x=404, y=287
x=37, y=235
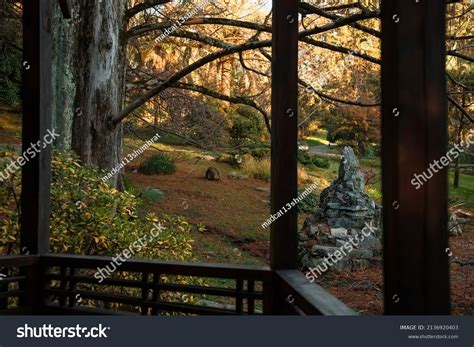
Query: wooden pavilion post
x=414, y=134
x=284, y=187
x=284, y=132
x=36, y=173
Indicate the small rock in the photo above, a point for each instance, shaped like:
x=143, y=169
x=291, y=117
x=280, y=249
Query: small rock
x=370, y=242
x=263, y=189
x=212, y=174
x=344, y=265
x=338, y=232
x=322, y=251
x=326, y=239
x=361, y=254
x=313, y=229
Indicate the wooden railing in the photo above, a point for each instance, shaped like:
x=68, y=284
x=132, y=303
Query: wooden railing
x=15, y=271
x=151, y=287
x=301, y=297
x=71, y=284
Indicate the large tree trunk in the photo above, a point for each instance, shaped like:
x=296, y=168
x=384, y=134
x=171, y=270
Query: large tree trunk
x=99, y=82
x=63, y=76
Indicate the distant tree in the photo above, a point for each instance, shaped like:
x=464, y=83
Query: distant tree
x=246, y=126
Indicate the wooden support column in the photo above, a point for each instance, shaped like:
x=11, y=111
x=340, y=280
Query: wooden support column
x=36, y=173
x=284, y=132
x=37, y=94
x=414, y=135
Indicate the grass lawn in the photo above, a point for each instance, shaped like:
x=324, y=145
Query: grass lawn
x=316, y=141
x=319, y=139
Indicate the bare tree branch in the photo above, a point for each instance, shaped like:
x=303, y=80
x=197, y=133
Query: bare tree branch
x=461, y=56
x=461, y=109
x=335, y=99
x=177, y=76
x=308, y=8
x=143, y=6
x=232, y=99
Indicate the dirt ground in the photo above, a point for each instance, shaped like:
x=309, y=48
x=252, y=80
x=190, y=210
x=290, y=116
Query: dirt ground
x=232, y=211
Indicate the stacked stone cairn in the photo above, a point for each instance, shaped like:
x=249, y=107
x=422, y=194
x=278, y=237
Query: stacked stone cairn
x=345, y=210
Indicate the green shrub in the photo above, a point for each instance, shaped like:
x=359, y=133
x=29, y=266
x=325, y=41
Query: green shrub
x=321, y=163
x=304, y=158
x=312, y=161
x=260, y=153
x=152, y=194
x=158, y=164
x=90, y=217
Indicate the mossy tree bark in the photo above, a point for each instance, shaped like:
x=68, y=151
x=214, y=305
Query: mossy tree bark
x=100, y=82
x=89, y=68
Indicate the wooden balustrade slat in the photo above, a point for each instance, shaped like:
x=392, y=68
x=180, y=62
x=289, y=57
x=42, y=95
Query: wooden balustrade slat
x=156, y=292
x=250, y=300
x=238, y=300
x=172, y=287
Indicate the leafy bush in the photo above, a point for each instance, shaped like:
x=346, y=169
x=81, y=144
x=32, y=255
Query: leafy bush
x=152, y=194
x=91, y=218
x=260, y=153
x=158, y=164
x=312, y=161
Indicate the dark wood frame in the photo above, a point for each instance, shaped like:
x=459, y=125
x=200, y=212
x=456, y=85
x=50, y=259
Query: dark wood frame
x=415, y=230
x=416, y=267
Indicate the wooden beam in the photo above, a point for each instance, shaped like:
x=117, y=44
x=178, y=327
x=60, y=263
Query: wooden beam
x=310, y=297
x=414, y=134
x=284, y=132
x=37, y=89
